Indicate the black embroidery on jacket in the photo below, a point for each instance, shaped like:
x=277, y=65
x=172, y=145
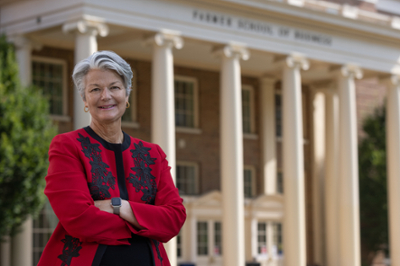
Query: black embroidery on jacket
x=71, y=249
x=143, y=180
x=102, y=179
x=156, y=243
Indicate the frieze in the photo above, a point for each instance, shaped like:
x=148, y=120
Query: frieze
x=261, y=28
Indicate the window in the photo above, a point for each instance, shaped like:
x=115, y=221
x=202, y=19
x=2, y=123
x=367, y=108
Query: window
x=186, y=102
x=279, y=182
x=249, y=181
x=202, y=238
x=247, y=109
x=43, y=227
x=278, y=114
x=277, y=239
x=262, y=238
x=49, y=75
x=217, y=238
x=179, y=245
x=186, y=178
x=130, y=114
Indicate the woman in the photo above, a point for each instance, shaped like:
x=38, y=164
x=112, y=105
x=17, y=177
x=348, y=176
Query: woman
x=113, y=194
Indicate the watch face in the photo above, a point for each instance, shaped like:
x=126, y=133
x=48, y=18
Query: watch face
x=116, y=202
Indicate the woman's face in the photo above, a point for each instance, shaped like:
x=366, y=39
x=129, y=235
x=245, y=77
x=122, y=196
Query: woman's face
x=105, y=95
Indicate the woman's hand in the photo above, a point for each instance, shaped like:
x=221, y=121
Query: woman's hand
x=125, y=212
x=104, y=205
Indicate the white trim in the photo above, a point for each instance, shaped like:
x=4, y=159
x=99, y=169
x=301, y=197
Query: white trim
x=41, y=59
x=250, y=136
x=133, y=124
x=195, y=101
x=188, y=130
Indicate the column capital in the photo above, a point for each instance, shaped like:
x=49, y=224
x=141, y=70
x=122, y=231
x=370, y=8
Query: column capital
x=233, y=49
x=166, y=37
x=349, y=70
x=23, y=42
x=391, y=80
x=20, y=41
x=297, y=60
x=91, y=26
x=268, y=80
x=326, y=87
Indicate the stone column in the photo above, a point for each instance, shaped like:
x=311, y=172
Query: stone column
x=318, y=175
x=21, y=244
x=393, y=165
x=293, y=163
x=232, y=154
x=193, y=237
x=24, y=59
x=163, y=104
x=270, y=242
x=5, y=254
x=85, y=45
x=348, y=168
x=268, y=131
x=331, y=178
x=253, y=236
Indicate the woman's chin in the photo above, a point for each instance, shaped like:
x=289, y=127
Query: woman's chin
x=106, y=119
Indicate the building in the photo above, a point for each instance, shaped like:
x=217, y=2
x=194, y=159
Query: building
x=247, y=98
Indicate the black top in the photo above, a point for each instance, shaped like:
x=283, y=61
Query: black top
x=137, y=254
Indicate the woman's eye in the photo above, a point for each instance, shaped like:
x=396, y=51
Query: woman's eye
x=115, y=88
x=94, y=89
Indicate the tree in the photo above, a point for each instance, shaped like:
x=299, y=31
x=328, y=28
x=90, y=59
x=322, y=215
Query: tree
x=373, y=188
x=25, y=134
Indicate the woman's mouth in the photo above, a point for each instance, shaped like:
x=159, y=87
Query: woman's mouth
x=107, y=107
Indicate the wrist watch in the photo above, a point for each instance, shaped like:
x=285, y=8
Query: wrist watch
x=116, y=203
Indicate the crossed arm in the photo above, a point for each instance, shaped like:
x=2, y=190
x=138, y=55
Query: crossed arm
x=126, y=212
x=90, y=220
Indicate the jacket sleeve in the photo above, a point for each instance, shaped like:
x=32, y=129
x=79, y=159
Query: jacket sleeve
x=69, y=196
x=164, y=219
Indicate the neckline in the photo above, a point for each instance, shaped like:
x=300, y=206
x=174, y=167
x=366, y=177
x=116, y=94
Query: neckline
x=108, y=145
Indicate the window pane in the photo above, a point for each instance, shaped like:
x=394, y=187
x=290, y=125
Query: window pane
x=179, y=244
x=262, y=238
x=277, y=239
x=246, y=110
x=202, y=238
x=248, y=183
x=43, y=227
x=186, y=180
x=48, y=77
x=127, y=117
x=279, y=182
x=184, y=103
x=278, y=114
x=217, y=238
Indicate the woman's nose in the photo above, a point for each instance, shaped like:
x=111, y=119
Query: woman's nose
x=105, y=94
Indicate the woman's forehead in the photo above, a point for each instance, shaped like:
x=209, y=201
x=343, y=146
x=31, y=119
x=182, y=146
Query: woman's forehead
x=104, y=76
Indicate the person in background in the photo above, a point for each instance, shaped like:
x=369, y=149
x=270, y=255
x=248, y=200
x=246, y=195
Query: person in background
x=113, y=194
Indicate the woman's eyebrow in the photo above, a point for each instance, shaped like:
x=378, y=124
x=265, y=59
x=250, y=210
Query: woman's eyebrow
x=112, y=83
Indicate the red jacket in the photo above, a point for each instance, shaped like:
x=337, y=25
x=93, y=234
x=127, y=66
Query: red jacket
x=83, y=168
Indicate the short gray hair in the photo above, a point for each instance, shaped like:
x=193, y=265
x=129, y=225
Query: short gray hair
x=106, y=60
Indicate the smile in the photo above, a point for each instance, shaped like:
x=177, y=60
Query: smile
x=107, y=107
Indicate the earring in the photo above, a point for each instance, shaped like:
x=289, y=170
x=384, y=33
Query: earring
x=86, y=110
x=128, y=105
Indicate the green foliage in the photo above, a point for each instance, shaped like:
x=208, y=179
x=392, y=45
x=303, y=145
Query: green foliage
x=25, y=134
x=373, y=189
